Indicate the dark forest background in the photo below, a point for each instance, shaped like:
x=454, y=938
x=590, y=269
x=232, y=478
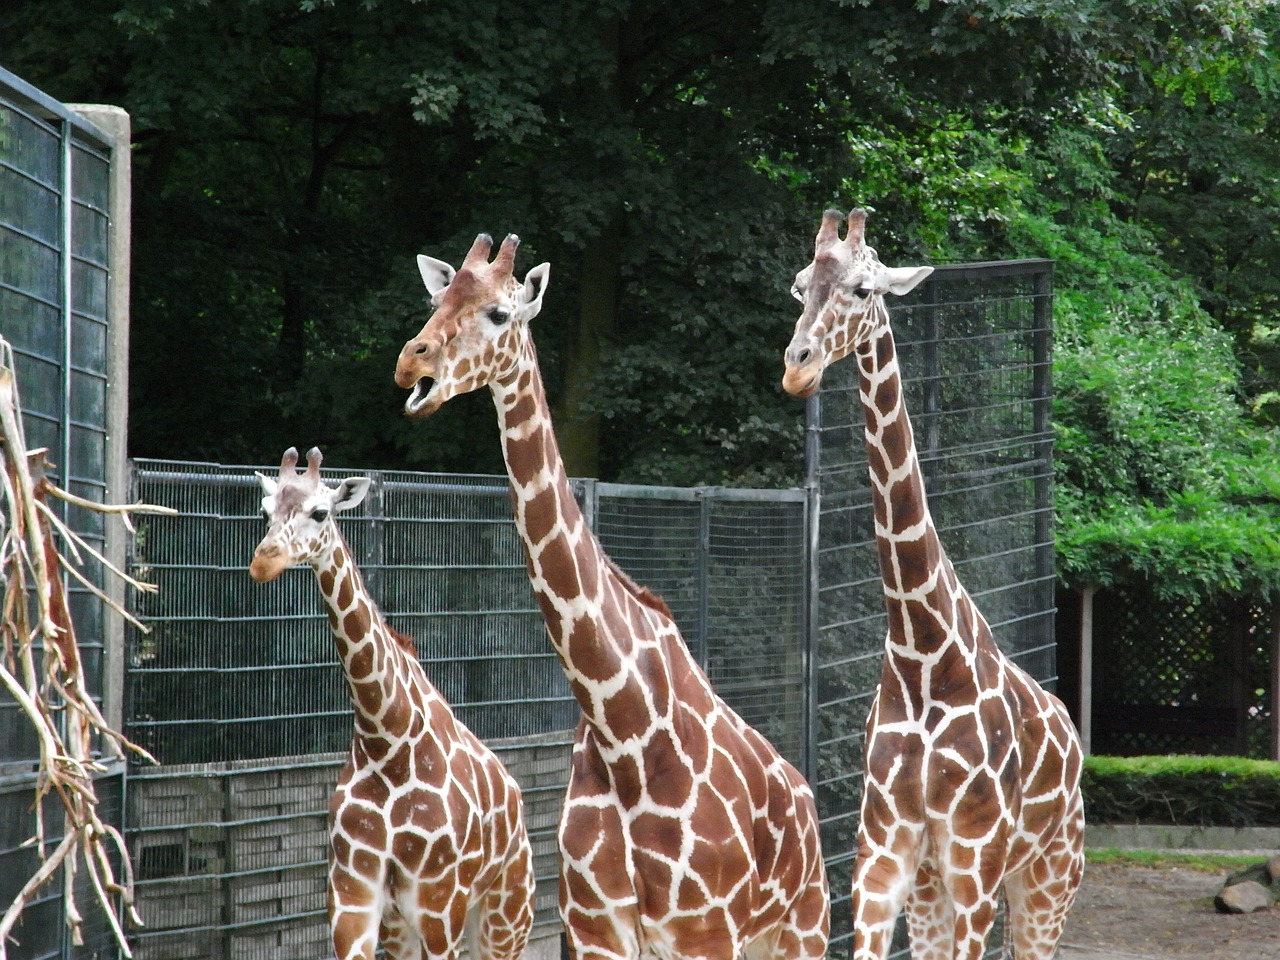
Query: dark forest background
x=671, y=161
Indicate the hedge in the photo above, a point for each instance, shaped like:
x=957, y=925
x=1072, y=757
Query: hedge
x=1181, y=790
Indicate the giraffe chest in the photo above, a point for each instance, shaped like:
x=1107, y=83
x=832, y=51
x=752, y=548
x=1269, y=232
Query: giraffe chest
x=700, y=841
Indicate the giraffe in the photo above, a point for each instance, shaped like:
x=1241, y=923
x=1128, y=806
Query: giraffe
x=971, y=768
x=427, y=842
x=684, y=833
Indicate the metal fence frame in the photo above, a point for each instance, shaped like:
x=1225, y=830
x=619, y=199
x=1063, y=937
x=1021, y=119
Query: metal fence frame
x=737, y=569
x=974, y=343
x=64, y=234
x=441, y=555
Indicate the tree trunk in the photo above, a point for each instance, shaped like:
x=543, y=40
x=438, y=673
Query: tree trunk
x=577, y=428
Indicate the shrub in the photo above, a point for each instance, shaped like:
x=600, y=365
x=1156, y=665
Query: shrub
x=1181, y=790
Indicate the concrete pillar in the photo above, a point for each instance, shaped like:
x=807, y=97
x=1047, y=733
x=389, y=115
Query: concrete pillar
x=114, y=122
x=1086, y=668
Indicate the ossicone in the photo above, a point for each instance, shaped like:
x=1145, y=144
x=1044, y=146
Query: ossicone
x=289, y=463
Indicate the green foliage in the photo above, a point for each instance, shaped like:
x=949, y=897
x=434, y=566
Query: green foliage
x=1161, y=474
x=1204, y=862
x=1182, y=790
x=291, y=156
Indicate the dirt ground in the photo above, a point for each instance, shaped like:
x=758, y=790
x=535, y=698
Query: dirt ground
x=1128, y=912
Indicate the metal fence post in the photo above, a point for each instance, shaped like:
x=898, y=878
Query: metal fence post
x=1042, y=407
x=812, y=515
x=931, y=403
x=702, y=575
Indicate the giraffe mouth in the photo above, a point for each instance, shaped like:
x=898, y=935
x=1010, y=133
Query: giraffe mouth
x=425, y=399
x=801, y=382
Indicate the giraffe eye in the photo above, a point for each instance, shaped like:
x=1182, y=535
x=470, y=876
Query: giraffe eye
x=320, y=515
x=499, y=316
x=863, y=292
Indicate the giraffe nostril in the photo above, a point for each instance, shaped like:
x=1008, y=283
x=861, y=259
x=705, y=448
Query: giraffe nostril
x=804, y=356
x=422, y=348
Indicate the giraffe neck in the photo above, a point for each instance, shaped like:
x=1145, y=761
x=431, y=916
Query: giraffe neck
x=919, y=581
x=380, y=672
x=623, y=658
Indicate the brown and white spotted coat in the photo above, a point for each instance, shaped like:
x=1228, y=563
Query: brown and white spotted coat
x=684, y=833
x=972, y=769
x=426, y=829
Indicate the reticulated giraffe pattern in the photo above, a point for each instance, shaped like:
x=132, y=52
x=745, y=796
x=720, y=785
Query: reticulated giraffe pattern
x=684, y=833
x=428, y=846
x=972, y=769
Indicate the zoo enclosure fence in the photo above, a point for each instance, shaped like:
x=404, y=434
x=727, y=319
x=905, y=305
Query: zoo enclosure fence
x=239, y=694
x=64, y=195
x=238, y=691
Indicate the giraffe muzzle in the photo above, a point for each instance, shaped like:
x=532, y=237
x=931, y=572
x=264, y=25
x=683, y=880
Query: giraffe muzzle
x=804, y=367
x=268, y=563
x=801, y=382
x=416, y=369
x=417, y=359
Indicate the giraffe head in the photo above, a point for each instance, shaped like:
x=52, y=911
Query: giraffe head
x=299, y=508
x=843, y=295
x=479, y=327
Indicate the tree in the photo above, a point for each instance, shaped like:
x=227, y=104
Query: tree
x=293, y=155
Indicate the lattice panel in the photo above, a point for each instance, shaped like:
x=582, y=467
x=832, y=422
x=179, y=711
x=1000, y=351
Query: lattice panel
x=1184, y=677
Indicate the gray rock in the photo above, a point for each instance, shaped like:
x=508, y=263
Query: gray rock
x=1257, y=872
x=1246, y=896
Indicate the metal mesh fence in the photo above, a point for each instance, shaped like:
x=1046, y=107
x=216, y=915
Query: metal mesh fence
x=235, y=670
x=974, y=346
x=55, y=219
x=54, y=200
x=237, y=688
x=731, y=566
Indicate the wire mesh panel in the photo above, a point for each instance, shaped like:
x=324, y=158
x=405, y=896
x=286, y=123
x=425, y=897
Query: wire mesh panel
x=54, y=203
x=973, y=344
x=731, y=566
x=234, y=669
x=238, y=691
x=55, y=217
x=1187, y=676
x=757, y=616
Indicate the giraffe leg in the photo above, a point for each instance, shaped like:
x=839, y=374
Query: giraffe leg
x=881, y=881
x=503, y=917
x=355, y=914
x=1040, y=895
x=598, y=903
x=399, y=940
x=930, y=917
x=972, y=884
x=803, y=935
x=435, y=913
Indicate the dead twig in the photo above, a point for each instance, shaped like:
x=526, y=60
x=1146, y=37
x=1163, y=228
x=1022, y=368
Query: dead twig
x=53, y=695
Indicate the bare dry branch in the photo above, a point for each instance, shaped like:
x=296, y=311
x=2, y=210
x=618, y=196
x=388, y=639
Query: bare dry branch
x=54, y=696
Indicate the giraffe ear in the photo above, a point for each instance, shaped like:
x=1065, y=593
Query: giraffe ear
x=269, y=486
x=436, y=274
x=349, y=493
x=900, y=280
x=535, y=285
